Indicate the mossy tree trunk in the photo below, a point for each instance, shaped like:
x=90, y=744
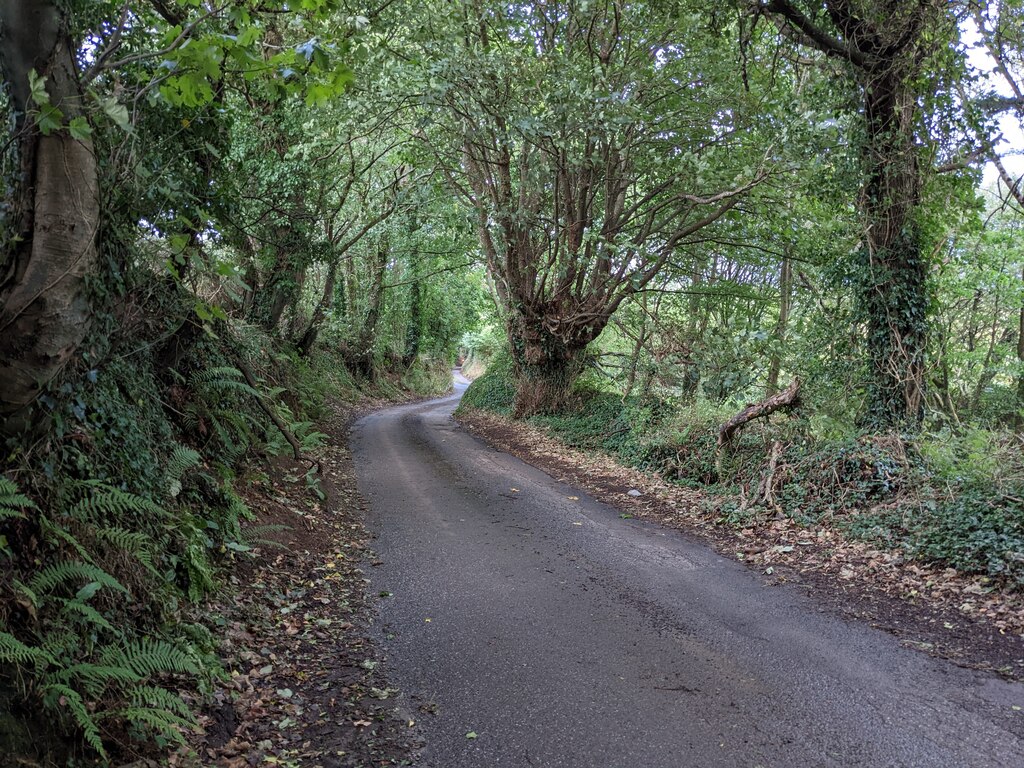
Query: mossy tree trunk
x=546, y=366
x=54, y=214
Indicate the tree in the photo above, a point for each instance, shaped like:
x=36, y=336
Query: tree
x=592, y=146
x=887, y=45
x=166, y=53
x=53, y=216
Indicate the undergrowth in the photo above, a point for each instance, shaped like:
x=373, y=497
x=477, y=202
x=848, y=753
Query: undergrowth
x=117, y=528
x=952, y=499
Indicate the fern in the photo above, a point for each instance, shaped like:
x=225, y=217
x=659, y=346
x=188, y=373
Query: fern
x=152, y=697
x=224, y=378
x=62, y=697
x=94, y=678
x=105, y=502
x=181, y=460
x=11, y=501
x=23, y=589
x=148, y=656
x=200, y=573
x=253, y=536
x=13, y=651
x=53, y=575
x=88, y=612
x=165, y=723
x=54, y=532
x=134, y=542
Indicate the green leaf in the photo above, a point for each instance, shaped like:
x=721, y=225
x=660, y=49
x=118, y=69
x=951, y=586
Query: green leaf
x=80, y=129
x=50, y=119
x=88, y=591
x=116, y=112
x=37, y=88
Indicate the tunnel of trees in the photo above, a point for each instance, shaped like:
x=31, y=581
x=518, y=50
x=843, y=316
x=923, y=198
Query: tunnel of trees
x=217, y=210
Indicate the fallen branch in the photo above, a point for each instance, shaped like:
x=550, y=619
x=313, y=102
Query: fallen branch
x=784, y=400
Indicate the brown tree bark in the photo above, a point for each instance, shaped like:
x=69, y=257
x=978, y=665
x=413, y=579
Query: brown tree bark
x=45, y=310
x=360, y=355
x=1020, y=361
x=308, y=338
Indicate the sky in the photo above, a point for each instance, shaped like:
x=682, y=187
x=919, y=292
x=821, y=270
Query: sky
x=1012, y=146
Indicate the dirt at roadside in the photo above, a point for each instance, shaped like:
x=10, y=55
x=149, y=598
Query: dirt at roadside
x=955, y=616
x=307, y=685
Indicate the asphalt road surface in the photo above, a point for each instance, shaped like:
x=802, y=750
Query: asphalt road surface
x=566, y=637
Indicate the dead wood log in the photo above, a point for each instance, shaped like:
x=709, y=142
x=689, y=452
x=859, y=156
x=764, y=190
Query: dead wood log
x=784, y=400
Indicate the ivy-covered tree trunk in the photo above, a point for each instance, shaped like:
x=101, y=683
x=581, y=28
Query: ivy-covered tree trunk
x=413, y=328
x=886, y=45
x=549, y=354
x=53, y=214
x=359, y=356
x=1020, y=360
x=308, y=338
x=893, y=292
x=785, y=301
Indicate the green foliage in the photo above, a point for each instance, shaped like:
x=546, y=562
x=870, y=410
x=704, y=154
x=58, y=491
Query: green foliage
x=428, y=378
x=74, y=655
x=975, y=532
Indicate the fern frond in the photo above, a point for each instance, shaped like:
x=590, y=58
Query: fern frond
x=94, y=678
x=59, y=573
x=105, y=502
x=88, y=612
x=14, y=651
x=24, y=589
x=200, y=573
x=148, y=656
x=167, y=724
x=64, y=698
x=136, y=543
x=152, y=697
x=181, y=460
x=253, y=536
x=11, y=501
x=54, y=532
x=217, y=373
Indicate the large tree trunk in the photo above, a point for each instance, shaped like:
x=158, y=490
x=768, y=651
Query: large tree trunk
x=893, y=292
x=308, y=338
x=360, y=355
x=545, y=375
x=546, y=365
x=45, y=310
x=886, y=44
x=413, y=328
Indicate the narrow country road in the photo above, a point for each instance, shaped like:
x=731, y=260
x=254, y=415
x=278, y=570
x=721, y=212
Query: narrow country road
x=566, y=637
